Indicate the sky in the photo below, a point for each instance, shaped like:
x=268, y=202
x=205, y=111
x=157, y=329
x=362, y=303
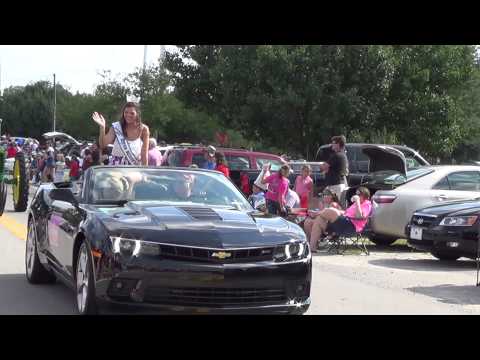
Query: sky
x=76, y=67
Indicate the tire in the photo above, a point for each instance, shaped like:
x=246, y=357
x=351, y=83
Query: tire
x=34, y=270
x=445, y=256
x=20, y=183
x=3, y=196
x=382, y=240
x=84, y=285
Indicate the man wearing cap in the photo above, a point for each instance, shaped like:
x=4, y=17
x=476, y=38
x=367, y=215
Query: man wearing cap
x=336, y=167
x=258, y=195
x=210, y=163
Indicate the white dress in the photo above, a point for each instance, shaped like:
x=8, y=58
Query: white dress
x=118, y=157
x=59, y=172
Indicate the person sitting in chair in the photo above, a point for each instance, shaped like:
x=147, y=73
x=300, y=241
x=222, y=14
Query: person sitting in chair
x=350, y=221
x=312, y=225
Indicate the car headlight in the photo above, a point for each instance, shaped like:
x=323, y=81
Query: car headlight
x=291, y=251
x=459, y=220
x=132, y=247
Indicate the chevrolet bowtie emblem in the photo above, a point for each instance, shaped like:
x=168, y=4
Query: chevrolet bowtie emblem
x=221, y=255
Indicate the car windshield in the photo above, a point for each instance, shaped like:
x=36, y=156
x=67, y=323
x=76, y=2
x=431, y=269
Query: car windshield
x=121, y=184
x=391, y=177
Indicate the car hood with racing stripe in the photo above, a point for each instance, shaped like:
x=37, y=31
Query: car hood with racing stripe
x=201, y=226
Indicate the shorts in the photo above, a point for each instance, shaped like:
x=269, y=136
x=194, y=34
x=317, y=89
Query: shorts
x=342, y=226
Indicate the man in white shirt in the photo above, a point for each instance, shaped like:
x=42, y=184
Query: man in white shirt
x=292, y=200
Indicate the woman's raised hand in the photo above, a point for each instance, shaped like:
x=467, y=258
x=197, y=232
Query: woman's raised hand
x=98, y=118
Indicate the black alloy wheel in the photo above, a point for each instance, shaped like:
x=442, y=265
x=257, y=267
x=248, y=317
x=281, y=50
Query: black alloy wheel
x=85, y=288
x=35, y=271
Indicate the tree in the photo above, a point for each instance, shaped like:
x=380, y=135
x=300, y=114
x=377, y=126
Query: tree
x=299, y=96
x=423, y=105
x=268, y=91
x=27, y=111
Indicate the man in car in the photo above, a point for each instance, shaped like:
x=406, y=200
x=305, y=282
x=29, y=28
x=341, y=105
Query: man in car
x=183, y=187
x=336, y=167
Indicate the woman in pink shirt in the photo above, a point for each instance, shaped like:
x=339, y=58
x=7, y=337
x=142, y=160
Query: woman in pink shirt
x=349, y=221
x=303, y=186
x=277, y=190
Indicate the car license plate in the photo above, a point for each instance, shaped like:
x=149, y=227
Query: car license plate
x=416, y=233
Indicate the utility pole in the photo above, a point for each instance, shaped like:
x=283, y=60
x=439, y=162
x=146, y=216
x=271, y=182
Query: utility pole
x=142, y=83
x=145, y=47
x=162, y=55
x=54, y=102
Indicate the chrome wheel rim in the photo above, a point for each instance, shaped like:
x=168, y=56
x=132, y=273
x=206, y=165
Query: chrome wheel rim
x=82, y=280
x=30, y=255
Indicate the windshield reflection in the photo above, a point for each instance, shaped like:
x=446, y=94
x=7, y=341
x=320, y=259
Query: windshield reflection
x=116, y=186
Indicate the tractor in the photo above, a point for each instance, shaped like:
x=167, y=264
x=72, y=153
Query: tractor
x=14, y=171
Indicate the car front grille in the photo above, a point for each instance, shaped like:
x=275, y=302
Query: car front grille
x=423, y=220
x=216, y=255
x=214, y=297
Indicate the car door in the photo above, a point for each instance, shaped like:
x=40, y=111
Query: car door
x=352, y=152
x=62, y=224
x=457, y=185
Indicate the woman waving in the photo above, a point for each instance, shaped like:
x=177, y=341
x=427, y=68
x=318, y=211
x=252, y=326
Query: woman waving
x=129, y=137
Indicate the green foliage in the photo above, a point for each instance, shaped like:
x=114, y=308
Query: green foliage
x=280, y=98
x=27, y=111
x=297, y=97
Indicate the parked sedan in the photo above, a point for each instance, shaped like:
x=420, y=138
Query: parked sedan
x=399, y=193
x=166, y=239
x=447, y=231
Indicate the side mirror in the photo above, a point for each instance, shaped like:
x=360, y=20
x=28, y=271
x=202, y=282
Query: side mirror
x=65, y=195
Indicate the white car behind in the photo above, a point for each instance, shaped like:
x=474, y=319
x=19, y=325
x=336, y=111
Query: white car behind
x=424, y=187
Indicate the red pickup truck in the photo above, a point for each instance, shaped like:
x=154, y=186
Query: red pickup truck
x=244, y=165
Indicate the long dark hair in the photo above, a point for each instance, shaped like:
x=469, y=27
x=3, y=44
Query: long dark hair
x=220, y=159
x=284, y=167
x=332, y=194
x=123, y=122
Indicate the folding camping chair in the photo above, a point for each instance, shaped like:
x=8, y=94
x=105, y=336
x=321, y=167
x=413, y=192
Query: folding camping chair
x=339, y=243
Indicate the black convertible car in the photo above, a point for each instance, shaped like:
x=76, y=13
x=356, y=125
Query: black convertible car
x=448, y=231
x=165, y=240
